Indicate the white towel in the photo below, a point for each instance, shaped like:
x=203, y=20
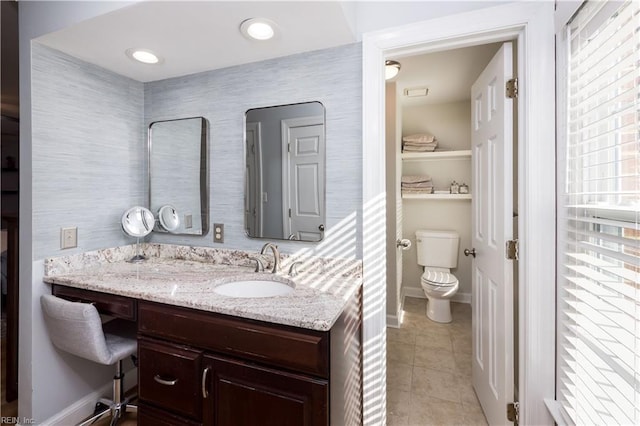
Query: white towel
x=426, y=148
x=417, y=185
x=419, y=137
x=418, y=191
x=415, y=178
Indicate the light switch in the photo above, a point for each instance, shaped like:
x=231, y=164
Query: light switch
x=218, y=233
x=68, y=238
x=188, y=221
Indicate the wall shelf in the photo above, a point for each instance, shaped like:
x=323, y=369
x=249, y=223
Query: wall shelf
x=436, y=196
x=436, y=155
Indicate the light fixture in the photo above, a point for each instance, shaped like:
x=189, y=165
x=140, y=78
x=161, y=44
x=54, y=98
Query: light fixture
x=145, y=56
x=258, y=29
x=391, y=69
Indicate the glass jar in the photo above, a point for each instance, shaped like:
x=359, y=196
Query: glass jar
x=455, y=188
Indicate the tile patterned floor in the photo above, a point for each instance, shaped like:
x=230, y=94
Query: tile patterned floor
x=429, y=370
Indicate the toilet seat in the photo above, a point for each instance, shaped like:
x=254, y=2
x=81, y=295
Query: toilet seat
x=439, y=278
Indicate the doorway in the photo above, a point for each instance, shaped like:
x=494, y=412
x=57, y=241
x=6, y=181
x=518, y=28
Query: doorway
x=433, y=102
x=532, y=26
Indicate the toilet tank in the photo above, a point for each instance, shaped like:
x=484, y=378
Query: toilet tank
x=437, y=248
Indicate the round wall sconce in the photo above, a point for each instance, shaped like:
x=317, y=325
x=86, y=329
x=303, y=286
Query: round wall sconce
x=391, y=69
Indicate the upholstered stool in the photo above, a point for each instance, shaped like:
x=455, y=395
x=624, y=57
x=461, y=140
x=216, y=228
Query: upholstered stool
x=76, y=328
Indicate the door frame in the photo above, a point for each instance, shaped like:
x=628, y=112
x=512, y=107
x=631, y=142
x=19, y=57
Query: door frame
x=532, y=26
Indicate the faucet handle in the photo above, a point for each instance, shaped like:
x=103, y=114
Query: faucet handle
x=259, y=264
x=293, y=269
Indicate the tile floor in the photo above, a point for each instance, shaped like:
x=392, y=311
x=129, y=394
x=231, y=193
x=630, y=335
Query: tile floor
x=429, y=369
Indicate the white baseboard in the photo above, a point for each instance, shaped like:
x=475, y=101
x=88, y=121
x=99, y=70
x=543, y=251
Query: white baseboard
x=395, y=321
x=419, y=294
x=83, y=408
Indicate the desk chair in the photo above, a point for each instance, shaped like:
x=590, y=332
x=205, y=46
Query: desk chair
x=76, y=328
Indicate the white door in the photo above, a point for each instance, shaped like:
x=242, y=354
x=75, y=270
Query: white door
x=492, y=205
x=303, y=179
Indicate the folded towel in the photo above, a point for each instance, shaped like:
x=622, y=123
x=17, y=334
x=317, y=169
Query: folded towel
x=417, y=185
x=426, y=148
x=410, y=143
x=419, y=137
x=418, y=191
x=415, y=178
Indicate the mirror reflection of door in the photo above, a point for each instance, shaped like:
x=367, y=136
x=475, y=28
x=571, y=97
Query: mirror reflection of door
x=285, y=172
x=253, y=204
x=303, y=178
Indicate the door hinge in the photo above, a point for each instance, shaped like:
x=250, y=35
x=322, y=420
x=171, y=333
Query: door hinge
x=512, y=88
x=288, y=146
x=511, y=249
x=289, y=212
x=513, y=412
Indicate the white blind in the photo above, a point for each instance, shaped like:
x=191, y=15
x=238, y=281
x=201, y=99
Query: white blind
x=598, y=341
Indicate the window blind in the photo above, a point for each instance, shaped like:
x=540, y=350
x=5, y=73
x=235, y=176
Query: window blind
x=598, y=337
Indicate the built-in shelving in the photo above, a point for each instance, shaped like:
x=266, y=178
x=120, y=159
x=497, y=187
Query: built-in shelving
x=436, y=155
x=436, y=196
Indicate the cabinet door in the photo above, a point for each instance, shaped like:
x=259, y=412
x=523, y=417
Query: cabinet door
x=169, y=377
x=244, y=394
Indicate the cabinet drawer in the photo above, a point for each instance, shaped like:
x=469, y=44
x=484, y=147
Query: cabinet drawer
x=278, y=345
x=150, y=416
x=169, y=377
x=110, y=304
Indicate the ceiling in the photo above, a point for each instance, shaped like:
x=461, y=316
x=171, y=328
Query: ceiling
x=196, y=36
x=448, y=75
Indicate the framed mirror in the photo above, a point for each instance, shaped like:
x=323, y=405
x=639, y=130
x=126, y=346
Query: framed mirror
x=285, y=172
x=178, y=175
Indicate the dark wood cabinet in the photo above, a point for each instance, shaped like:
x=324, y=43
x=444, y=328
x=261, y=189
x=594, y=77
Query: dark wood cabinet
x=202, y=368
x=226, y=371
x=246, y=394
x=169, y=376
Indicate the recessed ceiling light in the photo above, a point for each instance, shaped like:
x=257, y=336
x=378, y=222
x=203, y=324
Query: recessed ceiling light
x=258, y=29
x=145, y=56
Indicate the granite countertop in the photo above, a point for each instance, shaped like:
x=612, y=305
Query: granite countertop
x=186, y=276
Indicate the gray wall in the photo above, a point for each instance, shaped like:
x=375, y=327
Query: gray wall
x=87, y=133
x=88, y=151
x=333, y=77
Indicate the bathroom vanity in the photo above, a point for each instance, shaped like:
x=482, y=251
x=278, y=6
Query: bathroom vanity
x=208, y=359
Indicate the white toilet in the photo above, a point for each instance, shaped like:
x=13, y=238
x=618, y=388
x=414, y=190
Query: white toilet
x=438, y=253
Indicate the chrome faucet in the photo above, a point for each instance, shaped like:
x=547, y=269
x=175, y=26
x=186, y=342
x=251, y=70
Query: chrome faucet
x=276, y=255
x=293, y=269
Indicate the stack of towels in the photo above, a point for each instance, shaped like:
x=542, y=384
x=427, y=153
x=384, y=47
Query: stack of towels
x=421, y=142
x=419, y=184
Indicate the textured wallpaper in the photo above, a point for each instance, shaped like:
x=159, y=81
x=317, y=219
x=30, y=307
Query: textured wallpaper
x=331, y=76
x=88, y=152
x=90, y=135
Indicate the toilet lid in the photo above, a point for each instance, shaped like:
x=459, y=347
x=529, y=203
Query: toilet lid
x=439, y=278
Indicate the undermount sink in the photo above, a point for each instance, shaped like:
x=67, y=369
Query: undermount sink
x=254, y=288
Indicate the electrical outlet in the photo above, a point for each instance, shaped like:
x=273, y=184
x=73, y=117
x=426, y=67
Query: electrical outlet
x=68, y=238
x=218, y=233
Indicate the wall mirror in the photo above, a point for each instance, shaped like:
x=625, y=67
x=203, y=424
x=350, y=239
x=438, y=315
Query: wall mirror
x=285, y=172
x=178, y=175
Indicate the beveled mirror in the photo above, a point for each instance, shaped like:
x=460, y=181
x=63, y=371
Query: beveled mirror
x=285, y=172
x=178, y=175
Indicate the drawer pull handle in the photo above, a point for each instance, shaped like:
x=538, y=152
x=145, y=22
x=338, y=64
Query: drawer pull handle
x=204, y=382
x=165, y=382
